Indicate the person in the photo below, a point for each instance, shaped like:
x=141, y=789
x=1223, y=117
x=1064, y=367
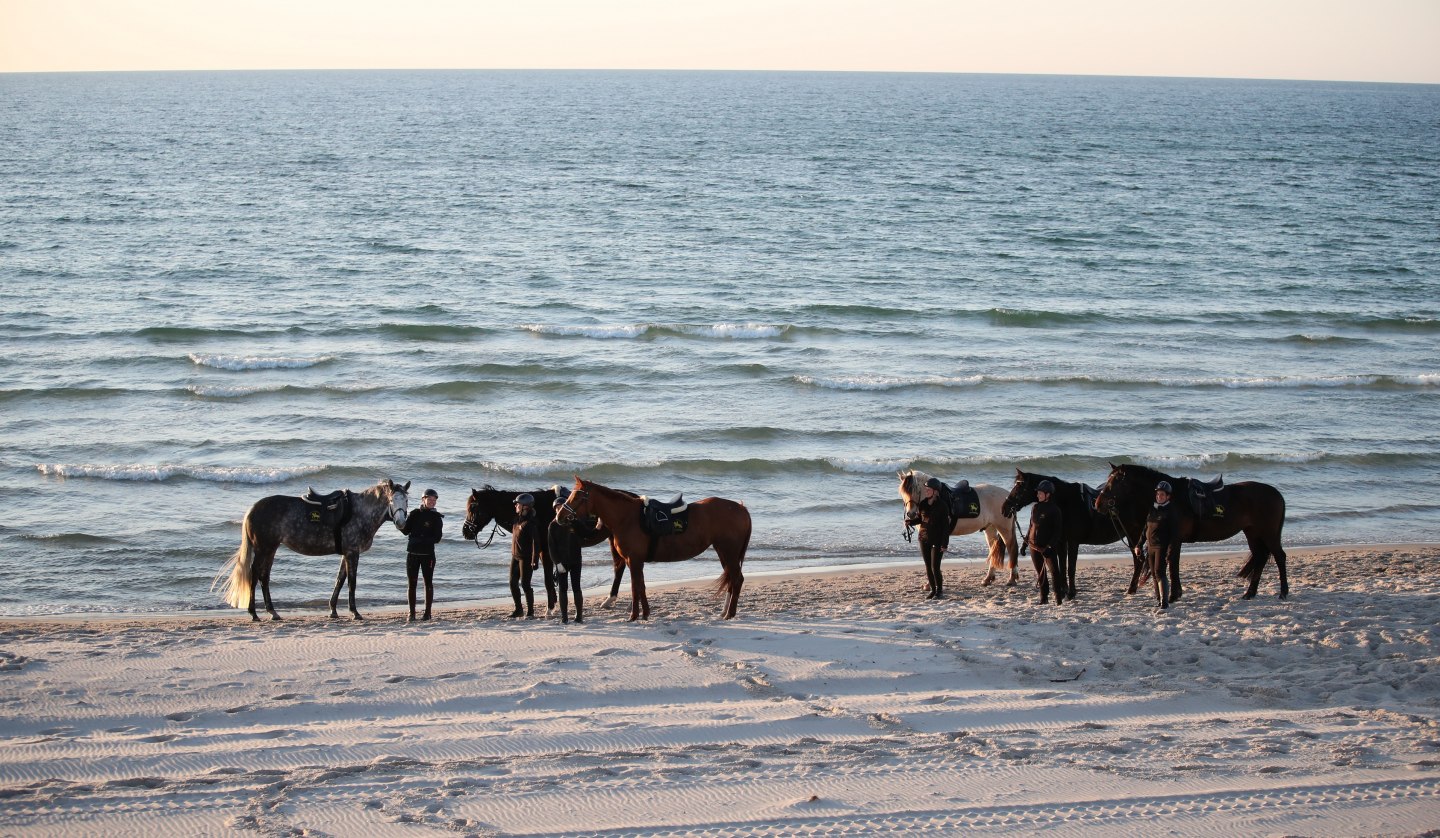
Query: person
x=563, y=541
x=933, y=516
x=1162, y=544
x=424, y=527
x=524, y=555
x=1046, y=538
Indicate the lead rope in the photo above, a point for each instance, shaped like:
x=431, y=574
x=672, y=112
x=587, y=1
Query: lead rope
x=493, y=529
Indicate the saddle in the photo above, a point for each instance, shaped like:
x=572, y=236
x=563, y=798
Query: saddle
x=661, y=518
x=964, y=503
x=1207, y=500
x=1088, y=494
x=330, y=511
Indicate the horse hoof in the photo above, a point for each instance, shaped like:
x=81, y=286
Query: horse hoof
x=609, y=601
x=988, y=582
x=334, y=616
x=1175, y=597
x=254, y=619
x=356, y=615
x=1248, y=595
x=274, y=617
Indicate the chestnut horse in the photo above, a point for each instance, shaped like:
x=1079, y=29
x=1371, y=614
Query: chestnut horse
x=1257, y=509
x=714, y=522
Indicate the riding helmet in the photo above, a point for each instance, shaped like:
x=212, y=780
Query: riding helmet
x=1046, y=486
x=1163, y=486
x=933, y=483
x=562, y=493
x=526, y=499
x=431, y=493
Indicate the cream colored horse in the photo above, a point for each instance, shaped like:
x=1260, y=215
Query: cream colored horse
x=1002, y=536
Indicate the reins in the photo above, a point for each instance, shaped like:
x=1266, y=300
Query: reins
x=494, y=528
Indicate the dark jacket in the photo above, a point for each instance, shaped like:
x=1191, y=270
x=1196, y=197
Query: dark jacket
x=524, y=545
x=1047, y=533
x=424, y=527
x=1162, y=532
x=563, y=544
x=935, y=523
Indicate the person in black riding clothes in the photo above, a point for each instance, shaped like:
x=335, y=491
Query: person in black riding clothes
x=563, y=540
x=1162, y=543
x=933, y=516
x=1046, y=537
x=524, y=554
x=424, y=527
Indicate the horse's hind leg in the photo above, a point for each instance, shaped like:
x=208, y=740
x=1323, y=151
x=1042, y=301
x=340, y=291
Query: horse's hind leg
x=1280, y=566
x=1072, y=552
x=619, y=575
x=1255, y=567
x=637, y=591
x=736, y=580
x=1135, y=577
x=263, y=562
x=348, y=568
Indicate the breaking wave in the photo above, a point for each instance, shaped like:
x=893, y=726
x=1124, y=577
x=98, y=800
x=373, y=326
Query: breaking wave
x=161, y=473
x=257, y=362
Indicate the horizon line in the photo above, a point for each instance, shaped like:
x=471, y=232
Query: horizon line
x=704, y=70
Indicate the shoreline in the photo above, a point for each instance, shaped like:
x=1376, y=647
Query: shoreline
x=962, y=572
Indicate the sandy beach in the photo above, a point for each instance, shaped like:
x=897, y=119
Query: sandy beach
x=838, y=703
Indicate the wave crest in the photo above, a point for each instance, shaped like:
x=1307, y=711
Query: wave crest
x=160, y=473
x=257, y=362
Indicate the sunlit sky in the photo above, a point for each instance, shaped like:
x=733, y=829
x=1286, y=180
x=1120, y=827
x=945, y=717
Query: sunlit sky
x=1352, y=40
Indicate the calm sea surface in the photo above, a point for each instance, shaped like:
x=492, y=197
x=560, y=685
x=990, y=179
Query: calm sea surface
x=778, y=288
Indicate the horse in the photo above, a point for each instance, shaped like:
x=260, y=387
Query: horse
x=488, y=504
x=1080, y=523
x=713, y=522
x=1257, y=509
x=1002, y=537
x=286, y=519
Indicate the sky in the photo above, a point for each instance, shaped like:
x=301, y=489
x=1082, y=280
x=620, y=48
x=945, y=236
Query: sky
x=1346, y=40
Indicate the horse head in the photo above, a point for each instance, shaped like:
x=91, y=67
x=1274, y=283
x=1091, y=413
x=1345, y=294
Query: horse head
x=1115, y=492
x=1022, y=494
x=577, y=505
x=397, y=507
x=477, y=515
x=909, y=488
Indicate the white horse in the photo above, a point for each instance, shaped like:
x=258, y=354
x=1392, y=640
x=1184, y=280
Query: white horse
x=1002, y=534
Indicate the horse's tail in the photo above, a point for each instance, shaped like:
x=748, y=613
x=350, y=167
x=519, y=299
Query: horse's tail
x=238, y=589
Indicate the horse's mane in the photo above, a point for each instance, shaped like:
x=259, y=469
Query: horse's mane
x=1145, y=472
x=593, y=487
x=917, y=480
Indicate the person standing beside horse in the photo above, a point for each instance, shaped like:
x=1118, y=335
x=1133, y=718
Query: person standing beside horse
x=424, y=527
x=524, y=555
x=932, y=513
x=1046, y=536
x=1162, y=545
x=563, y=542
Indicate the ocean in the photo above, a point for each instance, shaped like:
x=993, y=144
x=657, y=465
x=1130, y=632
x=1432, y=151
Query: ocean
x=778, y=288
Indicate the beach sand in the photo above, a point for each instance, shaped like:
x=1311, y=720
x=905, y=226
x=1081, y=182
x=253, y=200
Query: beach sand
x=838, y=703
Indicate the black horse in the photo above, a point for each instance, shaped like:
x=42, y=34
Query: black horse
x=488, y=504
x=1256, y=509
x=1080, y=523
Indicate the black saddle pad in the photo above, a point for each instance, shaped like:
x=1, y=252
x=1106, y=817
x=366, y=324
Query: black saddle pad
x=1088, y=494
x=1208, y=500
x=331, y=511
x=660, y=518
x=964, y=503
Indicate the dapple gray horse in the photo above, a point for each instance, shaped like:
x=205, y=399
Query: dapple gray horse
x=285, y=519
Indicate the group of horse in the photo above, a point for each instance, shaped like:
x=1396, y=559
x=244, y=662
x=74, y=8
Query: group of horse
x=291, y=521
x=1117, y=512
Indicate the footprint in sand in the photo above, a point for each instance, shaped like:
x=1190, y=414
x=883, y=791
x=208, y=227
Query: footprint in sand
x=180, y=717
x=160, y=737
x=244, y=708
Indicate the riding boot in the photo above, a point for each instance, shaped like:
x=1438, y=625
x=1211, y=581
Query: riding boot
x=529, y=605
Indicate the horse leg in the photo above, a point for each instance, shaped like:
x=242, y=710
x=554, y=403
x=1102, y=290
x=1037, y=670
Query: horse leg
x=265, y=592
x=1135, y=577
x=1280, y=566
x=1056, y=565
x=1162, y=587
x=353, y=561
x=637, y=589
x=735, y=581
x=619, y=575
x=335, y=594
x=1073, y=551
x=550, y=600
x=1255, y=567
x=992, y=542
x=1174, y=595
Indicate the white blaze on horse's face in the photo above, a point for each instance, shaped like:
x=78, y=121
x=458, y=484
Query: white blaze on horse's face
x=399, y=506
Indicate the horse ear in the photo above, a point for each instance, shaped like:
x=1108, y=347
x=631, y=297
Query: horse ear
x=406, y=489
x=1110, y=464
x=1019, y=473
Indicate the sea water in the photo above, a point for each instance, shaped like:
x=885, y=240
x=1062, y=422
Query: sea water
x=778, y=288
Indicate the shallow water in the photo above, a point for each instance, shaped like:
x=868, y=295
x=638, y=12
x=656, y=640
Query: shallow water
x=778, y=288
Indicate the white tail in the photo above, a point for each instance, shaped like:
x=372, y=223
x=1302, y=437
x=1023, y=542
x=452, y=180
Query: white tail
x=239, y=588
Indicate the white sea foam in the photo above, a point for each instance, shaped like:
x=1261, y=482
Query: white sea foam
x=739, y=331
x=256, y=362
x=872, y=465
x=158, y=473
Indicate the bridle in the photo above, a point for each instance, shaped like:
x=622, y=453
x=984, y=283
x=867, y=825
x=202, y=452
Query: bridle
x=390, y=512
x=572, y=511
x=469, y=522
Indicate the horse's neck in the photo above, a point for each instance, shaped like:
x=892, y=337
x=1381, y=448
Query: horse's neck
x=503, y=511
x=370, y=507
x=610, y=504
